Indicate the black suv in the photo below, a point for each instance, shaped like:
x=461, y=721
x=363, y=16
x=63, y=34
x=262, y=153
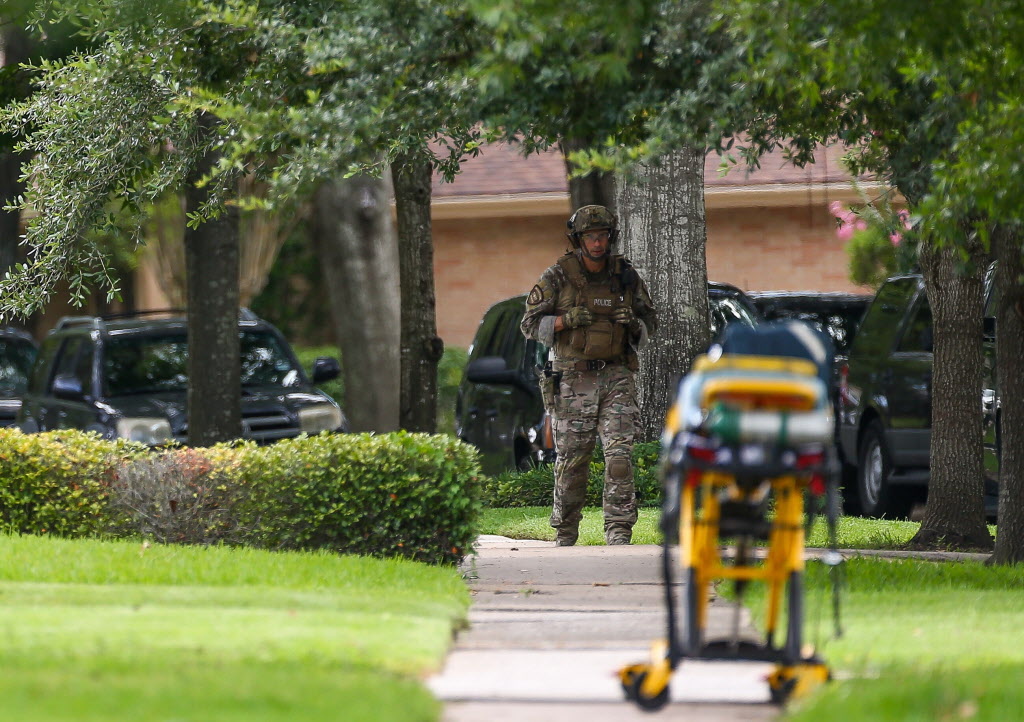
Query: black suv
x=886, y=400
x=838, y=314
x=499, y=409
x=17, y=354
x=126, y=376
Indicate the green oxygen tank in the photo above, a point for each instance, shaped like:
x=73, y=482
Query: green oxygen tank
x=782, y=427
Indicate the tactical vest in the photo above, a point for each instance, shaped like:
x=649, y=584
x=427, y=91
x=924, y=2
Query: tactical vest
x=602, y=339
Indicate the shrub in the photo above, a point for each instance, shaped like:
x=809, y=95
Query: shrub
x=534, y=487
x=412, y=495
x=60, y=482
x=180, y=495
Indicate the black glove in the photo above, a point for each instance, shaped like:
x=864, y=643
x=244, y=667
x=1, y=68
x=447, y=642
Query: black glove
x=627, y=318
x=577, y=316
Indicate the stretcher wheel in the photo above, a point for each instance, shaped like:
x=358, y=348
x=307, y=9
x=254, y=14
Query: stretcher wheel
x=694, y=638
x=636, y=694
x=782, y=691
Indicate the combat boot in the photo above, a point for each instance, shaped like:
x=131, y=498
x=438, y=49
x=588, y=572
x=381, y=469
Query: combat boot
x=566, y=537
x=618, y=535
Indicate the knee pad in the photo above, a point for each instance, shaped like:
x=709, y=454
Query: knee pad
x=619, y=468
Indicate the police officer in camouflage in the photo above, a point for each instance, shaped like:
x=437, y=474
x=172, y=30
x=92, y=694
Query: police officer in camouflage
x=594, y=311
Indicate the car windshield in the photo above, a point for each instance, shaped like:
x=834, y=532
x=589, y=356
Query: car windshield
x=16, y=357
x=154, y=363
x=728, y=309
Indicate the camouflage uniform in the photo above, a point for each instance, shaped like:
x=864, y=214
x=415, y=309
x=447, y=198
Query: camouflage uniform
x=596, y=395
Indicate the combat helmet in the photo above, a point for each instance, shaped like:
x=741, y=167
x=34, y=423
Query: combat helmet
x=588, y=218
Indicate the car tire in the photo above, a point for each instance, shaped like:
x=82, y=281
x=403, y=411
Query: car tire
x=873, y=471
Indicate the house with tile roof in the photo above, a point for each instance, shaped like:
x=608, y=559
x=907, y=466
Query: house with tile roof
x=502, y=222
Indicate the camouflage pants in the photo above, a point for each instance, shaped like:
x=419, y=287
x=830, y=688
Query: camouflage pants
x=595, y=404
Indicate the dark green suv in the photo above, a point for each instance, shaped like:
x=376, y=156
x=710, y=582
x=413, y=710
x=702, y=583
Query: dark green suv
x=885, y=401
x=499, y=409
x=126, y=377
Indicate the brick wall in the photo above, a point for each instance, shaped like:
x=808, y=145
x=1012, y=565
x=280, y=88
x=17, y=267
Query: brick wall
x=478, y=262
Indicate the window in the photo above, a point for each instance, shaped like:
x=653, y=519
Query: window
x=917, y=337
x=16, y=357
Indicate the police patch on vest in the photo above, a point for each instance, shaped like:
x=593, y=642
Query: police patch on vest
x=536, y=295
x=603, y=302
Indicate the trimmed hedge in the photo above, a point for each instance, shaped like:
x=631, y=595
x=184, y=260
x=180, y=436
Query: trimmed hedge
x=536, y=486
x=59, y=483
x=411, y=495
x=401, y=494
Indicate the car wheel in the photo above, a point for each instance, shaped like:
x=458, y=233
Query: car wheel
x=873, y=472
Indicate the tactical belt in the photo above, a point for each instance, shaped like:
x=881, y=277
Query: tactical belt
x=593, y=365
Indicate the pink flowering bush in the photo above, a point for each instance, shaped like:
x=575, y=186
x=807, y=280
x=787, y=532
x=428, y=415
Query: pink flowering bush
x=874, y=241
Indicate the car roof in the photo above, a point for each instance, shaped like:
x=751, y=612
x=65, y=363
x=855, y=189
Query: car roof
x=18, y=333
x=810, y=300
x=142, y=322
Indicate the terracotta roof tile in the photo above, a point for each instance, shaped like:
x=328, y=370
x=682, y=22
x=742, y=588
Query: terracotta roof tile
x=501, y=170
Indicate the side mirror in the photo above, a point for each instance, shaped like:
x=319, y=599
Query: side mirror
x=325, y=369
x=66, y=386
x=491, y=370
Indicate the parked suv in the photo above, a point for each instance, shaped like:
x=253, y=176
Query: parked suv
x=17, y=354
x=499, y=409
x=886, y=401
x=126, y=376
x=837, y=314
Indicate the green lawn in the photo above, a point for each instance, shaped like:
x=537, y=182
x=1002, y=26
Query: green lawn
x=922, y=641
x=532, y=523
x=107, y=631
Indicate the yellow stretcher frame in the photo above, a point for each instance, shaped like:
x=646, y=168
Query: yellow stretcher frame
x=701, y=493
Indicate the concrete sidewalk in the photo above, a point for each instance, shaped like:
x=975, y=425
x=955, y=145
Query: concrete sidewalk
x=551, y=626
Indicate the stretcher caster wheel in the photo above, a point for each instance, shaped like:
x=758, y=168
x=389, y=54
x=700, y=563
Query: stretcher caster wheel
x=627, y=676
x=643, y=699
x=791, y=681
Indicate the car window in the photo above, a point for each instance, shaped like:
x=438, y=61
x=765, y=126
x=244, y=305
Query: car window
x=153, y=363
x=265, y=362
x=490, y=337
x=41, y=371
x=838, y=326
x=16, y=358
x=878, y=328
x=515, y=343
x=917, y=337
x=725, y=310
x=76, y=360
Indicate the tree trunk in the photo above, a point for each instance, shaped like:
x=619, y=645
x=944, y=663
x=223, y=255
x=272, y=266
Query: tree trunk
x=1010, y=380
x=662, y=218
x=354, y=239
x=14, y=48
x=211, y=267
x=421, y=346
x=954, y=516
x=595, y=188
